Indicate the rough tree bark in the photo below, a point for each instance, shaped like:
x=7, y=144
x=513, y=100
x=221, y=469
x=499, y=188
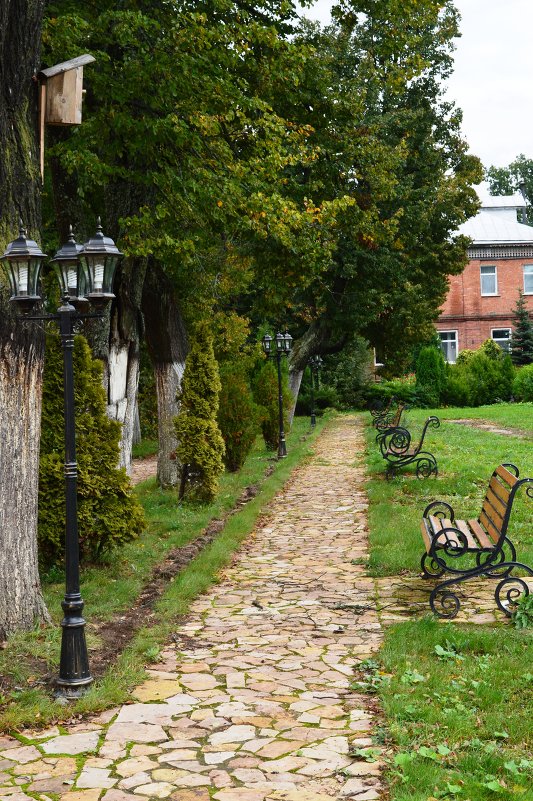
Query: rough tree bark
x=21, y=345
x=167, y=345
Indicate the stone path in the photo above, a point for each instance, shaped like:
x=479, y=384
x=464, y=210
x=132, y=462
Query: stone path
x=253, y=702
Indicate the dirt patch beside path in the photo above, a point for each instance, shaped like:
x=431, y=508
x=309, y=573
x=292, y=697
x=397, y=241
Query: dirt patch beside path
x=485, y=425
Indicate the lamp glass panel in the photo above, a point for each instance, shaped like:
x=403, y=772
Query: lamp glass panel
x=280, y=342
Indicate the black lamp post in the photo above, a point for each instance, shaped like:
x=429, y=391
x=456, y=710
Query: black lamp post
x=85, y=275
x=283, y=345
x=315, y=363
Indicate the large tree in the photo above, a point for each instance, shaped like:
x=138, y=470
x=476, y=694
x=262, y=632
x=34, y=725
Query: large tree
x=21, y=345
x=517, y=176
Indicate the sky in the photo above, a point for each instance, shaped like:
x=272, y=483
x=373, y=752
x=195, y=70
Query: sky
x=493, y=78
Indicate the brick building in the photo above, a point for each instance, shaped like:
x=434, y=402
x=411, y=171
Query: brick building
x=481, y=301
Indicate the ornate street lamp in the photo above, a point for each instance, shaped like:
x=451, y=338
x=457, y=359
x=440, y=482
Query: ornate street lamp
x=82, y=281
x=283, y=345
x=315, y=363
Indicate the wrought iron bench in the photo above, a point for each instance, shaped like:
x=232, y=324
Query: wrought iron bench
x=396, y=448
x=391, y=419
x=483, y=542
x=381, y=410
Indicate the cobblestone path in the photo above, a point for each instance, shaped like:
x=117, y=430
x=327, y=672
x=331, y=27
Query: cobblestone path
x=253, y=701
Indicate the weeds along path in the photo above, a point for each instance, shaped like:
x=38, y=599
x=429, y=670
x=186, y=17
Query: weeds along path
x=253, y=702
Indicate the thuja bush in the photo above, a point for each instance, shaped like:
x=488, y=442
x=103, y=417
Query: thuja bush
x=238, y=414
x=480, y=377
x=430, y=376
x=523, y=383
x=265, y=388
x=108, y=512
x=200, y=445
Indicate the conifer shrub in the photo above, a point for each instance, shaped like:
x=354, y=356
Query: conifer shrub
x=523, y=383
x=108, y=513
x=430, y=376
x=265, y=388
x=522, y=336
x=200, y=445
x=238, y=415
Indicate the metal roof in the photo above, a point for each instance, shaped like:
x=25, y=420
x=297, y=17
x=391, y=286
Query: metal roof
x=496, y=222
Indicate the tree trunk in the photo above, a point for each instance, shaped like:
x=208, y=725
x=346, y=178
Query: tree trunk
x=167, y=345
x=21, y=345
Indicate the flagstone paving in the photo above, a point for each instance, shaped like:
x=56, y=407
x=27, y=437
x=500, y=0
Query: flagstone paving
x=253, y=701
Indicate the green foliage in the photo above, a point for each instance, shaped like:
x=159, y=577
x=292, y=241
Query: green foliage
x=348, y=373
x=479, y=377
x=265, y=389
x=508, y=180
x=403, y=389
x=430, y=376
x=522, y=336
x=523, y=383
x=523, y=613
x=108, y=513
x=200, y=445
x=238, y=415
x=147, y=397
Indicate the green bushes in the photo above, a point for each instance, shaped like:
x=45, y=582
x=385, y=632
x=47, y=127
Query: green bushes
x=200, y=445
x=108, y=514
x=430, y=376
x=523, y=383
x=480, y=377
x=238, y=415
x=265, y=389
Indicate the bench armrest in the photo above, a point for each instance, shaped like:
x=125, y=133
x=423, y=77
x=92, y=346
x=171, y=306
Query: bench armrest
x=439, y=509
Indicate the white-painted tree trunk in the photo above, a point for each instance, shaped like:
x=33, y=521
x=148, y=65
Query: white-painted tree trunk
x=123, y=380
x=168, y=378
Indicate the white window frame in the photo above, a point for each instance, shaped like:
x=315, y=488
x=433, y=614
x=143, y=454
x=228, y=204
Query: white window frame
x=499, y=340
x=481, y=276
x=528, y=273
x=456, y=340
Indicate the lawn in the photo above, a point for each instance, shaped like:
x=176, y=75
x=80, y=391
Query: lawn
x=466, y=458
x=457, y=700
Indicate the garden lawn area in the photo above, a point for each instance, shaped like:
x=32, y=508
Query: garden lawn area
x=466, y=458
x=457, y=699
x=111, y=588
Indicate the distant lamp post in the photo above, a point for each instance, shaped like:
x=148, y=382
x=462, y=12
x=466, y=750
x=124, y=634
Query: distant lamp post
x=315, y=363
x=283, y=346
x=85, y=274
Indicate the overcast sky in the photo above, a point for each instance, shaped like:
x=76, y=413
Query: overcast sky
x=493, y=79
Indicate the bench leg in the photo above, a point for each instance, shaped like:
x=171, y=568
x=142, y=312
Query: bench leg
x=446, y=604
x=430, y=567
x=484, y=558
x=426, y=466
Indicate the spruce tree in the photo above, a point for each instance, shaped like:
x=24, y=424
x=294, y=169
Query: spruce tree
x=522, y=337
x=201, y=447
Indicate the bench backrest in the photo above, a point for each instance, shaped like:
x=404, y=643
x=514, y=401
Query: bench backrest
x=498, y=503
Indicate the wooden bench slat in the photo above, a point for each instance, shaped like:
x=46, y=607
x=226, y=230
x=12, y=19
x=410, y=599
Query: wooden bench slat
x=425, y=535
x=490, y=528
x=478, y=536
x=499, y=490
x=463, y=526
x=506, y=475
x=494, y=505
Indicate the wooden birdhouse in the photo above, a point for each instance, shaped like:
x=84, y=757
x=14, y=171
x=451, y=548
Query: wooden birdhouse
x=62, y=94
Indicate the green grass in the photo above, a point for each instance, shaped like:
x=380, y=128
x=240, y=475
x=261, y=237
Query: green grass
x=111, y=588
x=144, y=448
x=457, y=702
x=466, y=458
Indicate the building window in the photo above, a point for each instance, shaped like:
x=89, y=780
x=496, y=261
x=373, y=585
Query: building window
x=448, y=343
x=502, y=337
x=489, y=285
x=528, y=279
